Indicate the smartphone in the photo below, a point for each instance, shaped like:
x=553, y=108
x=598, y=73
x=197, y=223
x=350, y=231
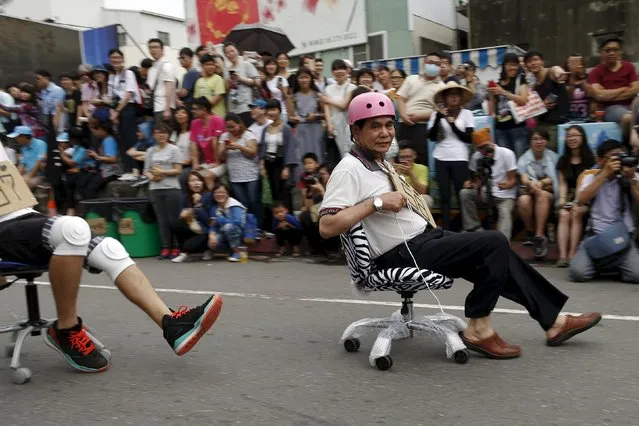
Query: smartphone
x=552, y=97
x=491, y=83
x=567, y=206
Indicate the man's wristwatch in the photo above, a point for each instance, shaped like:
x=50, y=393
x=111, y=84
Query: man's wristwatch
x=378, y=203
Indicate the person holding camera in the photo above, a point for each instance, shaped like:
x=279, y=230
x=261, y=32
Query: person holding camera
x=416, y=175
x=313, y=186
x=472, y=82
x=492, y=167
x=539, y=188
x=611, y=189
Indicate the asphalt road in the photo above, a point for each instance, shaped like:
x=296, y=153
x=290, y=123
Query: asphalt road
x=274, y=358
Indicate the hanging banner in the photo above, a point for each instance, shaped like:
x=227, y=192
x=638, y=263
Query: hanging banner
x=218, y=17
x=317, y=25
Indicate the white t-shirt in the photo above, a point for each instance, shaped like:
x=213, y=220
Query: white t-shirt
x=161, y=72
x=17, y=213
x=121, y=84
x=505, y=162
x=451, y=148
x=338, y=92
x=276, y=93
x=351, y=183
x=258, y=129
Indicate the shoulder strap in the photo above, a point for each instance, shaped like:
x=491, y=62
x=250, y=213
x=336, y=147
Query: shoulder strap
x=517, y=84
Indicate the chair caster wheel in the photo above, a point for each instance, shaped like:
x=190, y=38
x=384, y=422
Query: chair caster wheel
x=462, y=356
x=106, y=353
x=8, y=350
x=21, y=376
x=351, y=345
x=384, y=363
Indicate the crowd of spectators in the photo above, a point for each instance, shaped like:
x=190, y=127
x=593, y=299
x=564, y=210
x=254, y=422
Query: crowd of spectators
x=233, y=140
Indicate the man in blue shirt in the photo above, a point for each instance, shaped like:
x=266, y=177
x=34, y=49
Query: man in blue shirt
x=51, y=95
x=33, y=155
x=187, y=88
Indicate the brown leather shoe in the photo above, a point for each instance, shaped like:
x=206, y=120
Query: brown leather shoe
x=493, y=347
x=573, y=326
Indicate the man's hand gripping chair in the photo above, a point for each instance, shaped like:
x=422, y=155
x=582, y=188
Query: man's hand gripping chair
x=365, y=278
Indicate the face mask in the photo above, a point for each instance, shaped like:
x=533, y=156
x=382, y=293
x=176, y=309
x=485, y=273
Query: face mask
x=431, y=70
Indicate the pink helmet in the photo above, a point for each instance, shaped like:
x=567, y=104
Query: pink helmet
x=369, y=105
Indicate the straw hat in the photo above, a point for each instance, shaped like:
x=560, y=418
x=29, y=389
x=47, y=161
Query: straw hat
x=466, y=94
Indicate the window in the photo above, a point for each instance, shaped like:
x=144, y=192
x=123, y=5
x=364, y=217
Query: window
x=165, y=37
x=428, y=46
x=122, y=39
x=359, y=54
x=376, y=47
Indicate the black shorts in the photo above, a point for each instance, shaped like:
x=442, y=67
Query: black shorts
x=21, y=240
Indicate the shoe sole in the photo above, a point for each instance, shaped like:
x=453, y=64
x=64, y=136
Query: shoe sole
x=561, y=339
x=53, y=345
x=484, y=352
x=211, y=312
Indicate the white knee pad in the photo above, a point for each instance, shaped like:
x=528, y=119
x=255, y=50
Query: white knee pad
x=109, y=255
x=66, y=236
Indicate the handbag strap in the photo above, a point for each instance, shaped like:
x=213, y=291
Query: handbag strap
x=517, y=84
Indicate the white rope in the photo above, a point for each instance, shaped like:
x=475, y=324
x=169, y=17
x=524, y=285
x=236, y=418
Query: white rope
x=441, y=308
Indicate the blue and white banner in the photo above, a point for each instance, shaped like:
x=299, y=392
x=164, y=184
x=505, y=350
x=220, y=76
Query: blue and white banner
x=483, y=58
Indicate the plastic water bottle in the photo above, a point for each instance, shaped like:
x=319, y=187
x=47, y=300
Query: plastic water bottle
x=243, y=254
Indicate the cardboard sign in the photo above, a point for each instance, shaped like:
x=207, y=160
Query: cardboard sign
x=98, y=226
x=127, y=227
x=14, y=192
x=413, y=198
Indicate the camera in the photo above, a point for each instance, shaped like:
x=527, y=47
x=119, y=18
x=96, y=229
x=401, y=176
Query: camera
x=484, y=165
x=627, y=160
x=310, y=179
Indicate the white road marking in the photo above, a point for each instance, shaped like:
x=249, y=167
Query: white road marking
x=343, y=301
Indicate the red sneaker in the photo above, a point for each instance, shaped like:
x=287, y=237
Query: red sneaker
x=164, y=254
x=174, y=253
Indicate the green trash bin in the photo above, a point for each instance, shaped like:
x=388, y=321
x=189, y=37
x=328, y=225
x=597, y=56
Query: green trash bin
x=100, y=216
x=138, y=227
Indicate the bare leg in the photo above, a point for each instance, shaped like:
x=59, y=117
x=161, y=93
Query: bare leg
x=65, y=273
x=542, y=211
x=576, y=229
x=479, y=328
x=137, y=288
x=525, y=211
x=563, y=231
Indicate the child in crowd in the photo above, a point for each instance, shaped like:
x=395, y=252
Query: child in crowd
x=309, y=175
x=73, y=152
x=287, y=229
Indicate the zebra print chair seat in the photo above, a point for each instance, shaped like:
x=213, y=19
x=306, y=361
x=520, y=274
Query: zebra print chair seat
x=367, y=278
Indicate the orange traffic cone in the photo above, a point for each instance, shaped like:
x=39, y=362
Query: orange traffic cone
x=53, y=211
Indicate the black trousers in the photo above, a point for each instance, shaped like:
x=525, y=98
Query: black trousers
x=318, y=244
x=279, y=187
x=486, y=260
x=292, y=235
x=188, y=241
x=128, y=128
x=445, y=173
